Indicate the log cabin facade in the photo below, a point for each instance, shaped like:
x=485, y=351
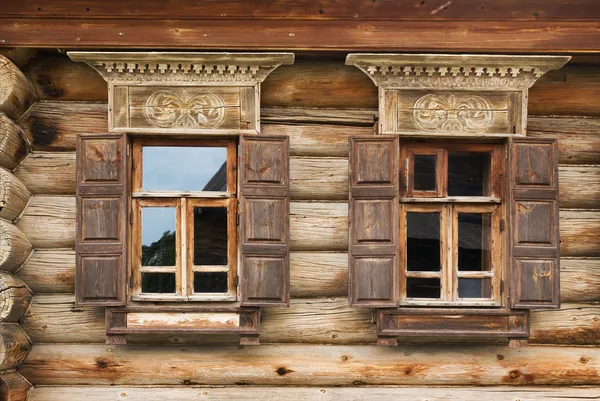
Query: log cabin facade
x=480, y=160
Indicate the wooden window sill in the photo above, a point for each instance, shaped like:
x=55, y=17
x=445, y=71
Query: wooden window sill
x=453, y=199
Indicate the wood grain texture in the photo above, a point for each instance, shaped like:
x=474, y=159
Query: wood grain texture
x=313, y=274
x=15, y=298
x=106, y=393
x=483, y=36
x=60, y=364
x=14, y=346
x=15, y=387
x=16, y=93
x=55, y=319
x=14, y=247
x=13, y=196
x=49, y=222
x=312, y=178
x=310, y=9
x=13, y=147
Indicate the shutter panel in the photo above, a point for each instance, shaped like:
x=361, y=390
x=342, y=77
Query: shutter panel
x=373, y=219
x=264, y=218
x=534, y=233
x=101, y=220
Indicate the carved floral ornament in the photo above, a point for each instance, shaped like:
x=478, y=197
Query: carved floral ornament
x=166, y=109
x=462, y=113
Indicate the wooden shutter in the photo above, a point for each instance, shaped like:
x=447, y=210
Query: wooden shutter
x=101, y=220
x=534, y=223
x=264, y=217
x=373, y=219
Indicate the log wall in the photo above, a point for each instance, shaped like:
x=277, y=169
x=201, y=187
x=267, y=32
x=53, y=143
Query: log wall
x=317, y=102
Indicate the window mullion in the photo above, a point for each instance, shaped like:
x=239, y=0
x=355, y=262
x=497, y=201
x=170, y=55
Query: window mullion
x=182, y=246
x=450, y=251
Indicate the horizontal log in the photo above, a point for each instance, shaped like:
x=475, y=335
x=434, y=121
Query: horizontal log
x=578, y=138
x=13, y=147
x=83, y=364
x=49, y=222
x=14, y=346
x=311, y=178
x=15, y=248
x=313, y=274
x=311, y=9
x=354, y=393
x=16, y=93
x=13, y=196
x=19, y=56
x=15, y=298
x=15, y=386
x=55, y=319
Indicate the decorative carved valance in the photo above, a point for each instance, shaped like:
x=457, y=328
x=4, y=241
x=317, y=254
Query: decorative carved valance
x=189, y=93
x=459, y=95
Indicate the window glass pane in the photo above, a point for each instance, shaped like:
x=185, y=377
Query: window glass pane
x=184, y=168
x=474, y=287
x=210, y=236
x=210, y=282
x=423, y=241
x=423, y=287
x=424, y=174
x=475, y=241
x=469, y=173
x=158, y=236
x=158, y=283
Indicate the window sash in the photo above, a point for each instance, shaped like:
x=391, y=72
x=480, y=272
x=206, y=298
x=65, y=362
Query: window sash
x=184, y=203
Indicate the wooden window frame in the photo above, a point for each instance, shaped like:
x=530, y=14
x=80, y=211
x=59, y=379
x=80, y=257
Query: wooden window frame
x=448, y=207
x=184, y=203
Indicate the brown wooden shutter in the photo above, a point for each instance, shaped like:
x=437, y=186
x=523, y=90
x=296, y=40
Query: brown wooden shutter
x=264, y=217
x=373, y=219
x=534, y=223
x=101, y=220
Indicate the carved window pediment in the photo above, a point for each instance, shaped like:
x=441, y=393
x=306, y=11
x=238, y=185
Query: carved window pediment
x=453, y=95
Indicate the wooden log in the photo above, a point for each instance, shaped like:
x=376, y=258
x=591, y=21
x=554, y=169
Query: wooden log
x=49, y=222
x=15, y=298
x=578, y=138
x=14, y=346
x=13, y=147
x=312, y=178
x=15, y=248
x=16, y=93
x=14, y=196
x=354, y=393
x=313, y=274
x=14, y=386
x=49, y=129
x=55, y=319
x=83, y=364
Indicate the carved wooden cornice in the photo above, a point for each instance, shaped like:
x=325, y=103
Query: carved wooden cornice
x=194, y=68
x=452, y=71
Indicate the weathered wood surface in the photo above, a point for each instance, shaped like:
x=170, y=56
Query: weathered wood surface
x=19, y=56
x=313, y=274
x=61, y=364
x=14, y=346
x=15, y=248
x=50, y=128
x=49, y=222
x=354, y=393
x=13, y=196
x=14, y=298
x=55, y=319
x=312, y=178
x=14, y=385
x=311, y=9
x=13, y=147
x=16, y=93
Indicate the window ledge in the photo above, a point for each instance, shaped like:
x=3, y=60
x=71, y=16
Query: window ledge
x=191, y=298
x=454, y=199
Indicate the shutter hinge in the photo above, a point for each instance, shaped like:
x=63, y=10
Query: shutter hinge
x=131, y=281
x=501, y=286
x=237, y=219
x=130, y=218
x=237, y=281
x=506, y=153
x=502, y=225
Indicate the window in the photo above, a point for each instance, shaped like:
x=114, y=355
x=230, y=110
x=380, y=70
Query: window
x=184, y=207
x=450, y=218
